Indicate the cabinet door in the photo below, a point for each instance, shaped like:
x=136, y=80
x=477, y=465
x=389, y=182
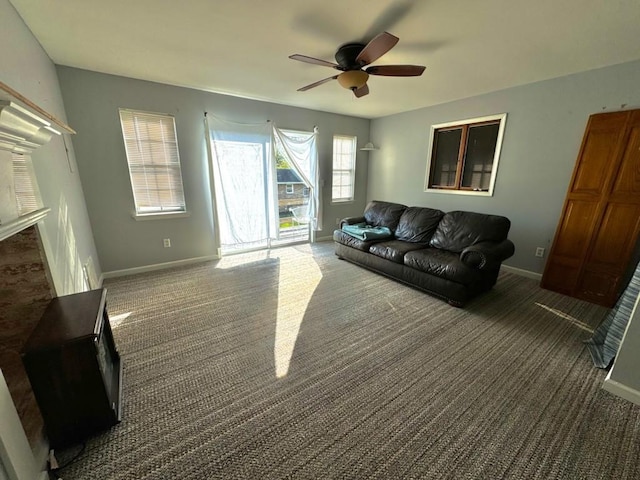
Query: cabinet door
x=572, y=240
x=600, y=221
x=614, y=241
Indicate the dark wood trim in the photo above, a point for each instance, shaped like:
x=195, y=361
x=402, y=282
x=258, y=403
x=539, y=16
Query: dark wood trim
x=462, y=150
x=462, y=153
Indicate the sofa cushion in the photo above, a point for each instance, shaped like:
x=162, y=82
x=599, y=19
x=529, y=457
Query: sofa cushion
x=394, y=250
x=459, y=230
x=383, y=214
x=417, y=224
x=443, y=264
x=350, y=241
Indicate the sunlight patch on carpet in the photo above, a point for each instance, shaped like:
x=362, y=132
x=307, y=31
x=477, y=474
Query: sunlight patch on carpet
x=116, y=320
x=571, y=319
x=245, y=258
x=299, y=278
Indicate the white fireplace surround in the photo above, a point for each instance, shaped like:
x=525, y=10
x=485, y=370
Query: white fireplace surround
x=20, y=223
x=21, y=131
x=23, y=128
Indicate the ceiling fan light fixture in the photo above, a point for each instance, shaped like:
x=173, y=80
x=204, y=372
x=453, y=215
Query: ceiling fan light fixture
x=353, y=79
x=351, y=59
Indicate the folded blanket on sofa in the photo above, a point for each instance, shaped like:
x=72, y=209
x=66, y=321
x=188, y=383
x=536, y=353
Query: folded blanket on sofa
x=362, y=231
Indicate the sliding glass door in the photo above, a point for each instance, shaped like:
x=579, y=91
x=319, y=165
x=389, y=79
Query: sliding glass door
x=292, y=193
x=261, y=190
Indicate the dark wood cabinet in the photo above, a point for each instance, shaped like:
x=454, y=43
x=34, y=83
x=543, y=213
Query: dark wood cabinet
x=74, y=368
x=597, y=236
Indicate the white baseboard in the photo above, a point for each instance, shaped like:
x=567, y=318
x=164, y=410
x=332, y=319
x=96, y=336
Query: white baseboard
x=621, y=390
x=522, y=272
x=157, y=266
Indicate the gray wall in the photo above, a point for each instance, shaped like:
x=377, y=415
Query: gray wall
x=545, y=124
x=92, y=101
x=67, y=235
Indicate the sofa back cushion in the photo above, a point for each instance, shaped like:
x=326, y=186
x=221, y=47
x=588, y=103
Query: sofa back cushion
x=417, y=224
x=459, y=230
x=383, y=214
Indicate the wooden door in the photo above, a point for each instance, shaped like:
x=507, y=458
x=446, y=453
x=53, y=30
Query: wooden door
x=600, y=221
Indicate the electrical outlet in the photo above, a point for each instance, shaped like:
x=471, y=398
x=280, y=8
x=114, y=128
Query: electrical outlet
x=166, y=242
x=540, y=252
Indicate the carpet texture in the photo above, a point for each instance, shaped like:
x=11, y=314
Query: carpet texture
x=294, y=364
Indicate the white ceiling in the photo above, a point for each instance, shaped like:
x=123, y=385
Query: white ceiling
x=240, y=47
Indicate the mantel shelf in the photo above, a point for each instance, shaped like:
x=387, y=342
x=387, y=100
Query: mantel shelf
x=14, y=226
x=8, y=93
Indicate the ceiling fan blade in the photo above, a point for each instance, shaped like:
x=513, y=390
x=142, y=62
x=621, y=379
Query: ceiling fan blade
x=396, y=70
x=320, y=82
x=377, y=47
x=362, y=91
x=315, y=61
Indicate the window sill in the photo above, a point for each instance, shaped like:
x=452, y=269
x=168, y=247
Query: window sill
x=341, y=202
x=470, y=193
x=159, y=216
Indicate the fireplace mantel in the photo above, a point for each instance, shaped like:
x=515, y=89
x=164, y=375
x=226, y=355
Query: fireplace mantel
x=8, y=94
x=22, y=222
x=24, y=127
x=21, y=130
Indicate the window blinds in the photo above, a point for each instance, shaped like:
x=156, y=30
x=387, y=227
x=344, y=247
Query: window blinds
x=154, y=163
x=344, y=165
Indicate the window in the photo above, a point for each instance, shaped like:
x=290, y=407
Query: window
x=344, y=168
x=26, y=188
x=154, y=164
x=463, y=156
x=289, y=188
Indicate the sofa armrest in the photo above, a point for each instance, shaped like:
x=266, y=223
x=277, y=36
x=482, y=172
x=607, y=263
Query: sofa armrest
x=351, y=221
x=485, y=255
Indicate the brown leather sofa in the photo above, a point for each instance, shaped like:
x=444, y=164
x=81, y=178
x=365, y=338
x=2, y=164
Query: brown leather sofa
x=454, y=256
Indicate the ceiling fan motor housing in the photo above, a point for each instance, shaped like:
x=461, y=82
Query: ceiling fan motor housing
x=346, y=56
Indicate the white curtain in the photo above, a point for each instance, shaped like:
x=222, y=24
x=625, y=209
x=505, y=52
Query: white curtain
x=243, y=173
x=301, y=150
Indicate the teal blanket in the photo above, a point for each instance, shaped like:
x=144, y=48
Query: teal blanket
x=362, y=231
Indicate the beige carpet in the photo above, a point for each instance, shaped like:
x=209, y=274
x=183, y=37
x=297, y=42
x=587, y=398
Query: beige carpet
x=294, y=364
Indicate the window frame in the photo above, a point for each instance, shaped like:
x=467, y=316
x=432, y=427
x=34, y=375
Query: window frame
x=289, y=189
x=502, y=119
x=159, y=213
x=351, y=171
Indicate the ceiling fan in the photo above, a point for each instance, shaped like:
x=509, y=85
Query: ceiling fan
x=352, y=57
